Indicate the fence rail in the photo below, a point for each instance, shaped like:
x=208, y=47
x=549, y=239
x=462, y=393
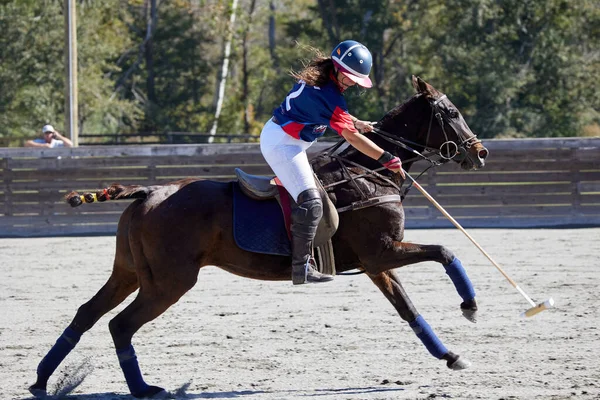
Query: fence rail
x=162, y=138
x=525, y=184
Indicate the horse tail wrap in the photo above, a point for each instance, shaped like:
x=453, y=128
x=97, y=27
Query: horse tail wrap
x=113, y=192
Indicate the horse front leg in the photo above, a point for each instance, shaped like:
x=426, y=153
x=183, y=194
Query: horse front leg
x=389, y=283
x=396, y=254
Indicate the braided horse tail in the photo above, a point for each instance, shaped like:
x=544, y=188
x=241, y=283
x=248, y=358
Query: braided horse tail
x=113, y=192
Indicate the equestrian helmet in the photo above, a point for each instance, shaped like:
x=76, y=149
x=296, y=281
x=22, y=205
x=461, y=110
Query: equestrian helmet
x=353, y=60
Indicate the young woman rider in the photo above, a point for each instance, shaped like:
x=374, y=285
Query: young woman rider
x=316, y=102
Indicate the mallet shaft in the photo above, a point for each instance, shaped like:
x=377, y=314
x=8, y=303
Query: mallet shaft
x=443, y=211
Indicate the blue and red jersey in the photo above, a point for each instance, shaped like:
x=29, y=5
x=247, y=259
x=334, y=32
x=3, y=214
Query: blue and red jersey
x=307, y=111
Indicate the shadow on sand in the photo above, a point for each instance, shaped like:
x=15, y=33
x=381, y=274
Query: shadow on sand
x=235, y=394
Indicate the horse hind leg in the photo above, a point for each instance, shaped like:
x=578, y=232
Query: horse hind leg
x=389, y=284
x=401, y=254
x=120, y=284
x=157, y=293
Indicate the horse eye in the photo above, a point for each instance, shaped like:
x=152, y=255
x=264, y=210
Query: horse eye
x=453, y=113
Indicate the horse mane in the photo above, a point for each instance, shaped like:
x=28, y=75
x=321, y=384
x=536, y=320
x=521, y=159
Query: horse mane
x=393, y=113
x=422, y=88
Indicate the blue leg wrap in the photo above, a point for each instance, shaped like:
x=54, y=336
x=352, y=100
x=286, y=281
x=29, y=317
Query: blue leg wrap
x=131, y=370
x=461, y=281
x=63, y=346
x=428, y=337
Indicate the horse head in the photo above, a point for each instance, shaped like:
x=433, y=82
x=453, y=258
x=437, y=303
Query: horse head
x=430, y=123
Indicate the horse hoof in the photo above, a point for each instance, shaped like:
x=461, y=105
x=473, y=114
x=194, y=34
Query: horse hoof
x=469, y=310
x=153, y=392
x=460, y=363
x=471, y=315
x=38, y=391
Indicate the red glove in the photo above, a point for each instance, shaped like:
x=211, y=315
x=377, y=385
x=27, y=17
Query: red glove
x=394, y=164
x=391, y=162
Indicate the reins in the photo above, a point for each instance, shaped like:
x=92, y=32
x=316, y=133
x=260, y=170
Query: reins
x=437, y=113
x=453, y=150
x=369, y=202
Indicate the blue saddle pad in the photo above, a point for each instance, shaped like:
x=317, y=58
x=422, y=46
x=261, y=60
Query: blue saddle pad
x=258, y=225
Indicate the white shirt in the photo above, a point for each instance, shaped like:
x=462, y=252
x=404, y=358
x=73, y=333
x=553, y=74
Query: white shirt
x=53, y=143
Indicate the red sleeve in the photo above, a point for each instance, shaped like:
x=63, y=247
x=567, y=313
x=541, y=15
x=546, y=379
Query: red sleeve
x=340, y=120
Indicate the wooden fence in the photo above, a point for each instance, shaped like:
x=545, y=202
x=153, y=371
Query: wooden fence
x=525, y=184
x=134, y=139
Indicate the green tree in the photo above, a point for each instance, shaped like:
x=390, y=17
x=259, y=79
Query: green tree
x=516, y=68
x=169, y=70
x=32, y=72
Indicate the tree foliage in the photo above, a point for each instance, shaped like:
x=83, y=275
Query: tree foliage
x=516, y=68
x=32, y=67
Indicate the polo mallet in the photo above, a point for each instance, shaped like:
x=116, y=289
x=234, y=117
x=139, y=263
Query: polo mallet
x=535, y=308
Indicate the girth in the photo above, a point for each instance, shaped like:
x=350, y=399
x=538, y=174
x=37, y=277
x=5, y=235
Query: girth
x=374, y=201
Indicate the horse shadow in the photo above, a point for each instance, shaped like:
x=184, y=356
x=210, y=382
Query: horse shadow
x=292, y=393
x=237, y=394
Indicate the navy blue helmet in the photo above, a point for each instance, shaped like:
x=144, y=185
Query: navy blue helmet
x=354, y=61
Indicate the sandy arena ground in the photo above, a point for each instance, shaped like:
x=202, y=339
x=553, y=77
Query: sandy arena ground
x=234, y=338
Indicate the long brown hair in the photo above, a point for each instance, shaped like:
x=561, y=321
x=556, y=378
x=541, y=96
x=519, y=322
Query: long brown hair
x=317, y=71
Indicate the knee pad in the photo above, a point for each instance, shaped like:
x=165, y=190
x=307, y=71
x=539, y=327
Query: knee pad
x=308, y=194
x=307, y=215
x=310, y=207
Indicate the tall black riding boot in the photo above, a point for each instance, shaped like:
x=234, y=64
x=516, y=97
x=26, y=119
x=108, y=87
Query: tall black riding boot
x=305, y=220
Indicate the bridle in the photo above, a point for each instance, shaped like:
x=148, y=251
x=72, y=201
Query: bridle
x=447, y=151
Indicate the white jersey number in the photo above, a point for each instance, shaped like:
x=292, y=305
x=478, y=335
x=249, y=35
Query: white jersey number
x=293, y=95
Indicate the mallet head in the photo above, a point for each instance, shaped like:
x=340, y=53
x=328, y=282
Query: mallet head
x=545, y=305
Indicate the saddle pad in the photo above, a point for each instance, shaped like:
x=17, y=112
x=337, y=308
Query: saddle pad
x=258, y=225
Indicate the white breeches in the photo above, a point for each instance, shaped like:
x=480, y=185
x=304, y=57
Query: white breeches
x=287, y=158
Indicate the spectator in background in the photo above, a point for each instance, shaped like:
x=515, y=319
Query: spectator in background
x=50, y=138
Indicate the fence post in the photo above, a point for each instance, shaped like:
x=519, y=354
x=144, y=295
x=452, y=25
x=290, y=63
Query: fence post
x=575, y=178
x=7, y=174
x=151, y=168
x=432, y=189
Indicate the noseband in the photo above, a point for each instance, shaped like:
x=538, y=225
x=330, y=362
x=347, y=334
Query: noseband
x=466, y=142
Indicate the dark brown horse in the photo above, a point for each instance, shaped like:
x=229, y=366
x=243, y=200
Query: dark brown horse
x=173, y=230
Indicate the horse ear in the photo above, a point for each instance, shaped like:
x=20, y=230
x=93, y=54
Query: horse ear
x=423, y=87
x=420, y=85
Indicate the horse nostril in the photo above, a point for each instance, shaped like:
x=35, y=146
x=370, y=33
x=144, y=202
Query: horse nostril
x=482, y=154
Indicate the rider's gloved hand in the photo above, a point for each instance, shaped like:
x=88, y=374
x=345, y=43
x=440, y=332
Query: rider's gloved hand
x=392, y=163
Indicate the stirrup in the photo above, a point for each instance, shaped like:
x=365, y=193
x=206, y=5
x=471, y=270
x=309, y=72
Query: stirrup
x=307, y=273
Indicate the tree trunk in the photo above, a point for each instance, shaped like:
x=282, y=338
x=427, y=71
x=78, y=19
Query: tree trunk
x=148, y=51
x=379, y=84
x=329, y=20
x=224, y=70
x=272, y=42
x=245, y=89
